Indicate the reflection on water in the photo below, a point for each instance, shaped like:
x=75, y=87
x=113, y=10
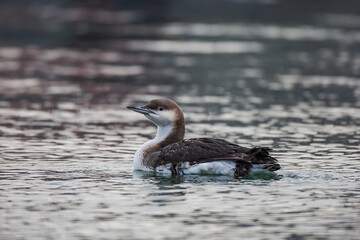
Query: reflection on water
x=287, y=81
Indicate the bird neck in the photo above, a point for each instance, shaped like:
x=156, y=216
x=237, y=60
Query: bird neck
x=169, y=134
x=165, y=135
x=163, y=132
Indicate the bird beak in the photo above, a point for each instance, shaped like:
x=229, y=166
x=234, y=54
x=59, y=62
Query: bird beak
x=141, y=110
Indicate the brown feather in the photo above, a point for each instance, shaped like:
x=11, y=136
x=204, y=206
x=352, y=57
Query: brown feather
x=202, y=150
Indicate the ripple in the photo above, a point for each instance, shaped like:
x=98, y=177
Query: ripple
x=185, y=47
x=286, y=81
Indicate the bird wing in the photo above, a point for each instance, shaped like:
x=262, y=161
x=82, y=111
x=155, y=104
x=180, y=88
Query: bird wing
x=202, y=150
x=197, y=149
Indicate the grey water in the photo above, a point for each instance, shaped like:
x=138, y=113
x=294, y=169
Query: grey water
x=282, y=74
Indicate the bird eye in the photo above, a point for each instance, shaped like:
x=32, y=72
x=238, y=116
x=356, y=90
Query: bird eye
x=160, y=109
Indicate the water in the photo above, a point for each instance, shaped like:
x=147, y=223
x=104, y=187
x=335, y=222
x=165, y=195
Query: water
x=271, y=73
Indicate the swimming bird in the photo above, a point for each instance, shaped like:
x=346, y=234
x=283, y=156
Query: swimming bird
x=169, y=153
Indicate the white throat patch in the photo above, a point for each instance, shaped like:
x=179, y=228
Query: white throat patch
x=163, y=132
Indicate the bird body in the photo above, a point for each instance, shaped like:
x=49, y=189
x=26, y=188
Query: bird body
x=168, y=152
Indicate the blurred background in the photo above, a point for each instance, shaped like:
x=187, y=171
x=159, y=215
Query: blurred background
x=277, y=73
x=98, y=52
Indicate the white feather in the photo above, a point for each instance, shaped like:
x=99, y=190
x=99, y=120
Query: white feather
x=223, y=168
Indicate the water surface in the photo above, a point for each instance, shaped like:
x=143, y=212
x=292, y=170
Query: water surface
x=266, y=73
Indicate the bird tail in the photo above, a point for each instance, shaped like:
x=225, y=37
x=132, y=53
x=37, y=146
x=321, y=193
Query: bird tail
x=261, y=156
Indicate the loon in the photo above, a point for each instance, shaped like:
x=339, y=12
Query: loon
x=169, y=153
